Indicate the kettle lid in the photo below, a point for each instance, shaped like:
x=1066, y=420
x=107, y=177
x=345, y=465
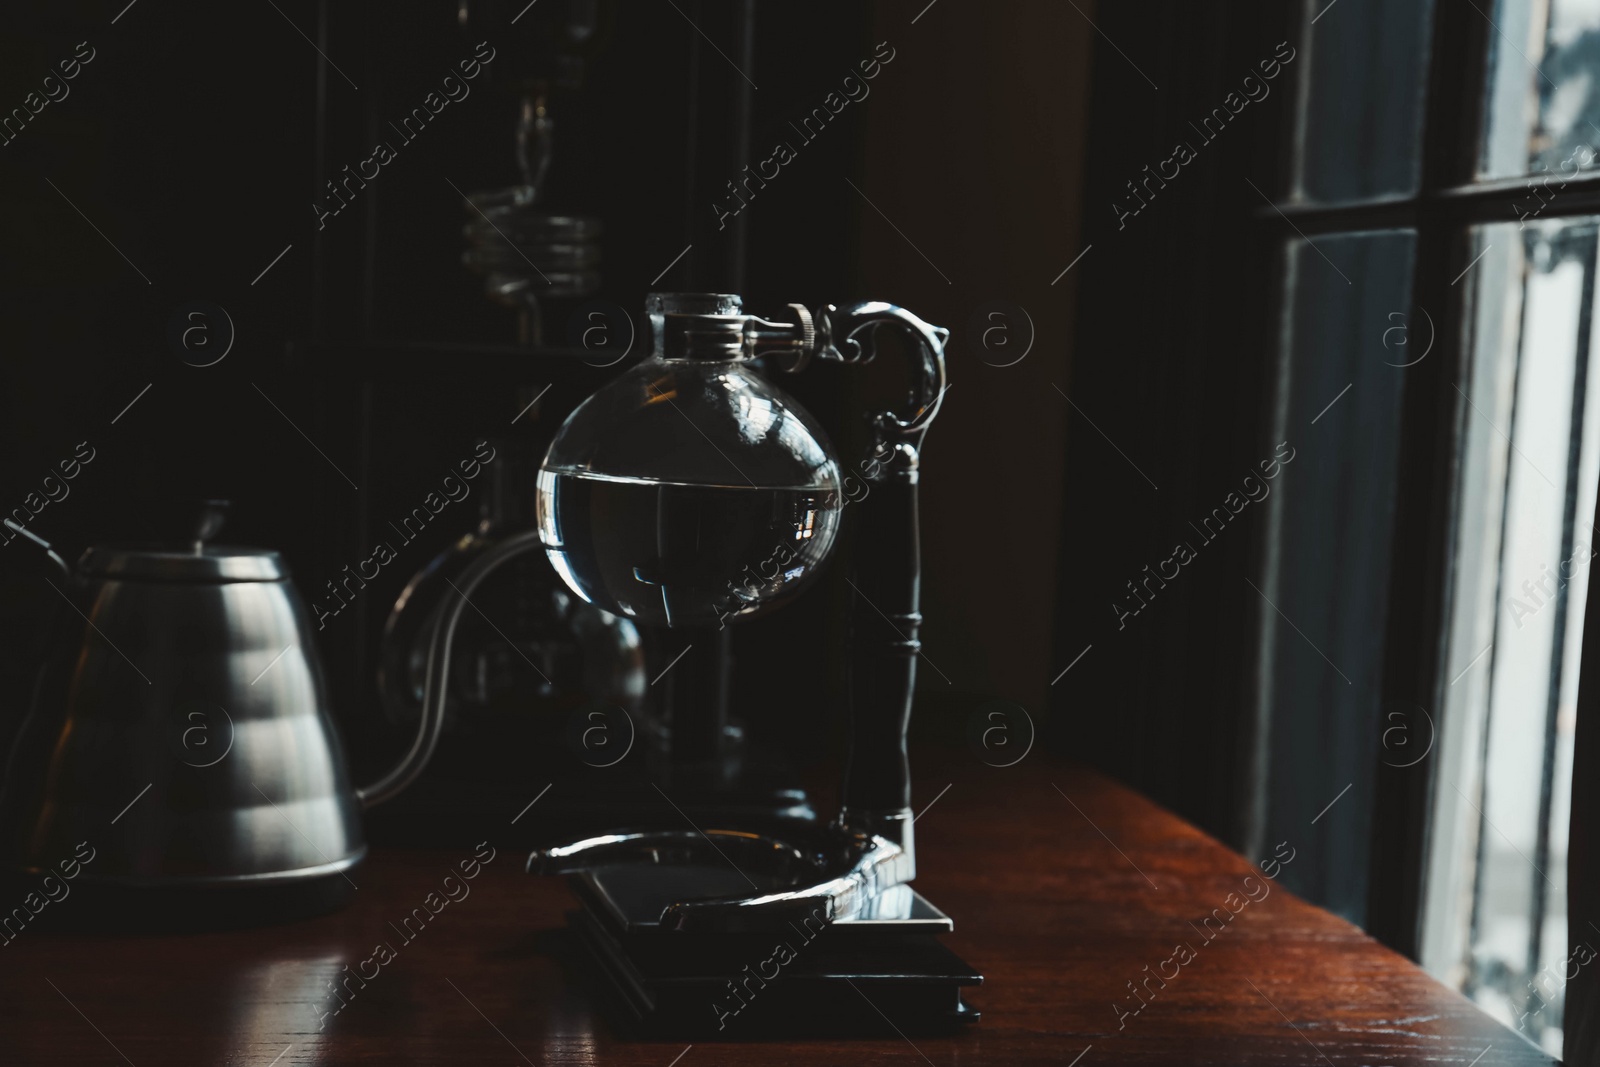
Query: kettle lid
x=208, y=563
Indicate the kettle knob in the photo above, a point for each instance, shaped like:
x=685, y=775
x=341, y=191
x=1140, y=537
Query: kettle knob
x=213, y=513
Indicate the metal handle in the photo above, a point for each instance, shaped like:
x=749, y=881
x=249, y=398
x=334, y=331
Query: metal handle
x=847, y=334
x=888, y=570
x=437, y=679
x=888, y=554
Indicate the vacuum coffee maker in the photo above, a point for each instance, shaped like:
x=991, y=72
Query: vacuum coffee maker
x=692, y=492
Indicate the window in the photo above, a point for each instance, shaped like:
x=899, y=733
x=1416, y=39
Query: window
x=1325, y=578
x=1495, y=909
x=1426, y=573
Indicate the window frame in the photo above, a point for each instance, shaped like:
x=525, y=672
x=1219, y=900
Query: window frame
x=1447, y=204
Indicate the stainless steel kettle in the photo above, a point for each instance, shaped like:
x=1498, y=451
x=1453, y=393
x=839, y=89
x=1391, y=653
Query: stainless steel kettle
x=182, y=732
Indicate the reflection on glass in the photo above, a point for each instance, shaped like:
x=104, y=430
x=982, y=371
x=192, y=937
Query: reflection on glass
x=1327, y=541
x=1495, y=913
x=1363, y=67
x=1541, y=112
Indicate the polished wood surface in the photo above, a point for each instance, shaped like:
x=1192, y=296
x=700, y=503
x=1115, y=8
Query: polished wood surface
x=1064, y=886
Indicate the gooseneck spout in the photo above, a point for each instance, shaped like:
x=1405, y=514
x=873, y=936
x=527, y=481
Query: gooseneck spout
x=437, y=678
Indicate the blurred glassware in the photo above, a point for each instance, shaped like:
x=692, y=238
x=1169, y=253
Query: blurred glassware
x=528, y=254
x=531, y=650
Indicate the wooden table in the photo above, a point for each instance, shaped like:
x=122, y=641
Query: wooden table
x=1064, y=886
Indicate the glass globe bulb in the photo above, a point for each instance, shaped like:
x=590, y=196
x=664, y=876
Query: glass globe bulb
x=689, y=491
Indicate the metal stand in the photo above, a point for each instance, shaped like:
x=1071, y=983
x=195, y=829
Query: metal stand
x=671, y=910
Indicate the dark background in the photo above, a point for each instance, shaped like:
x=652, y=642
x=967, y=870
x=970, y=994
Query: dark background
x=985, y=162
x=197, y=139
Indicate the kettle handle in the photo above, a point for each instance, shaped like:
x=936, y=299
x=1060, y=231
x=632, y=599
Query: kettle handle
x=49, y=549
x=437, y=677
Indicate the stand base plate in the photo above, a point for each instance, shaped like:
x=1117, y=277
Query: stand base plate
x=859, y=977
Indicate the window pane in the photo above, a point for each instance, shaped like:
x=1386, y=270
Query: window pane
x=1542, y=101
x=1364, y=66
x=1325, y=578
x=1495, y=914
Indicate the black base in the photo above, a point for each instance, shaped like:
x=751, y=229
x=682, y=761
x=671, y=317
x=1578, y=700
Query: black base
x=86, y=906
x=846, y=979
